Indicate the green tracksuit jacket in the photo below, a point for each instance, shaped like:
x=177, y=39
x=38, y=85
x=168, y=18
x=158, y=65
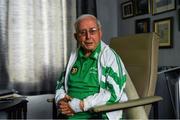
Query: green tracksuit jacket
x=111, y=77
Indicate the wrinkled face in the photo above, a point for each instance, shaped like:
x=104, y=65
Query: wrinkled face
x=88, y=34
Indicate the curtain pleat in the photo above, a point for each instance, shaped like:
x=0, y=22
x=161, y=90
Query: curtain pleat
x=35, y=35
x=4, y=78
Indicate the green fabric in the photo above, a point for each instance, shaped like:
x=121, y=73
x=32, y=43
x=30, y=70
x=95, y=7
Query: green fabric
x=86, y=115
x=120, y=80
x=83, y=79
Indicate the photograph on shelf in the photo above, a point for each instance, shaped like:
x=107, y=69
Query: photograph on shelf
x=142, y=25
x=160, y=6
x=164, y=27
x=127, y=9
x=141, y=7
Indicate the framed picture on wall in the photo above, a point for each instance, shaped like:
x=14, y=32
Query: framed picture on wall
x=164, y=27
x=142, y=25
x=141, y=7
x=160, y=6
x=127, y=9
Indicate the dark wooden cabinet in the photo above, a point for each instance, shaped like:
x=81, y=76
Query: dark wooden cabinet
x=15, y=108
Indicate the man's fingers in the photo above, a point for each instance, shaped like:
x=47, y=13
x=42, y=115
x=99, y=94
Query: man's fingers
x=64, y=108
x=63, y=105
x=67, y=112
x=68, y=97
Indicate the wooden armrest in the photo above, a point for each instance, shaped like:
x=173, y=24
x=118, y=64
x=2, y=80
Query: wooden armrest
x=127, y=104
x=50, y=100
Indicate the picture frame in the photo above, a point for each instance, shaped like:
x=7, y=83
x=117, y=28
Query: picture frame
x=141, y=7
x=161, y=6
x=127, y=9
x=164, y=27
x=142, y=25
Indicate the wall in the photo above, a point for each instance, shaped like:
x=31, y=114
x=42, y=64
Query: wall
x=107, y=14
x=168, y=56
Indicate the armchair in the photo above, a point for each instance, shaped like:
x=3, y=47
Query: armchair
x=140, y=55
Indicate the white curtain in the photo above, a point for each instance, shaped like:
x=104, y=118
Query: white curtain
x=36, y=36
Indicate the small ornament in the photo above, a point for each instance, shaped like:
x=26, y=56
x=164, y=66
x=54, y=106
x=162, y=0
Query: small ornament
x=74, y=70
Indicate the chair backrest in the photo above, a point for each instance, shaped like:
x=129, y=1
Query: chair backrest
x=139, y=53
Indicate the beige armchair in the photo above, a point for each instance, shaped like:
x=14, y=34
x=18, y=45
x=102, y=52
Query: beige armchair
x=139, y=53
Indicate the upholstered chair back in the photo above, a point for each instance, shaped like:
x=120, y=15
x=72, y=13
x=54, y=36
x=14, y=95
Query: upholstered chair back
x=139, y=53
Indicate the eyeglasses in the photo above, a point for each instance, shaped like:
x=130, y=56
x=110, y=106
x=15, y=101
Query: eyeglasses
x=92, y=31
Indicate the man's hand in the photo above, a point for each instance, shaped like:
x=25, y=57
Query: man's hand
x=64, y=106
x=81, y=104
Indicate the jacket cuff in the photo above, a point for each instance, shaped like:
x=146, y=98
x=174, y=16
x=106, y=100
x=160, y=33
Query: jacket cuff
x=75, y=105
x=59, y=95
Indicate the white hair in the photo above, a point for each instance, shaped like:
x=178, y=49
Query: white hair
x=83, y=17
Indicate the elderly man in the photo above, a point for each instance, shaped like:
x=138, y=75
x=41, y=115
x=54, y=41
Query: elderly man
x=95, y=74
